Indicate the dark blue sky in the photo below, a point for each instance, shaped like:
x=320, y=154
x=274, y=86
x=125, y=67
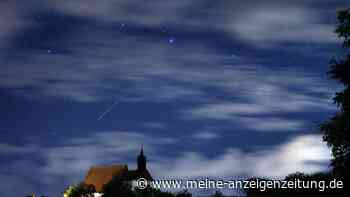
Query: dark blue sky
x=222, y=89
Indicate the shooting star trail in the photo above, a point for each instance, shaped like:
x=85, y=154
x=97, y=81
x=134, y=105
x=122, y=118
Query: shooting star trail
x=107, y=110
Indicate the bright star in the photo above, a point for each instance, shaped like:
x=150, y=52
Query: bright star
x=172, y=40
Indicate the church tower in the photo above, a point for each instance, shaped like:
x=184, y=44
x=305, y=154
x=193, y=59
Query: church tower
x=141, y=161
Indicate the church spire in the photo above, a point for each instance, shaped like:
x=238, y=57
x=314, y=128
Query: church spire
x=141, y=153
x=141, y=160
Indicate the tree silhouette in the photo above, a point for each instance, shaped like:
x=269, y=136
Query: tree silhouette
x=118, y=187
x=337, y=130
x=80, y=190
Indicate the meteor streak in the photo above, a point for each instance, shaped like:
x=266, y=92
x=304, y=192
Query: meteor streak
x=107, y=110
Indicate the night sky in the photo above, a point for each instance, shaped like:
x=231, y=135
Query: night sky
x=223, y=89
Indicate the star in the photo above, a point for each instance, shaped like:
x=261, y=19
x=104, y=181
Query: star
x=38, y=18
x=171, y=40
x=234, y=56
x=50, y=51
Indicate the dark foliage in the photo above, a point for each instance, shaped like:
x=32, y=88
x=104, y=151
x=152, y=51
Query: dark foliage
x=118, y=188
x=85, y=190
x=337, y=130
x=343, y=29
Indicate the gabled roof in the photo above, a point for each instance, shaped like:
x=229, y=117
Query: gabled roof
x=101, y=175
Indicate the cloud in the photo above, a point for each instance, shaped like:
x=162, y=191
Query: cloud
x=304, y=153
x=270, y=24
x=128, y=68
x=131, y=11
x=272, y=124
x=100, y=61
x=263, y=99
x=225, y=110
x=206, y=135
x=154, y=125
x=137, y=68
x=158, y=72
x=9, y=21
x=264, y=23
x=11, y=149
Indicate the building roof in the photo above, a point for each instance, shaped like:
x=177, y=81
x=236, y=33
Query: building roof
x=101, y=175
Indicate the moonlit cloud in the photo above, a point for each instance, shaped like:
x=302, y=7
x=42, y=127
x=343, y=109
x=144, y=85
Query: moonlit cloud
x=272, y=124
x=280, y=23
x=304, y=153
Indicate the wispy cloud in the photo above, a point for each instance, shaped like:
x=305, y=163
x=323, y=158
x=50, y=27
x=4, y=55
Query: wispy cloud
x=102, y=62
x=12, y=149
x=206, y=135
x=154, y=125
x=272, y=124
x=304, y=153
x=275, y=23
x=260, y=23
x=269, y=96
x=188, y=73
x=268, y=22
